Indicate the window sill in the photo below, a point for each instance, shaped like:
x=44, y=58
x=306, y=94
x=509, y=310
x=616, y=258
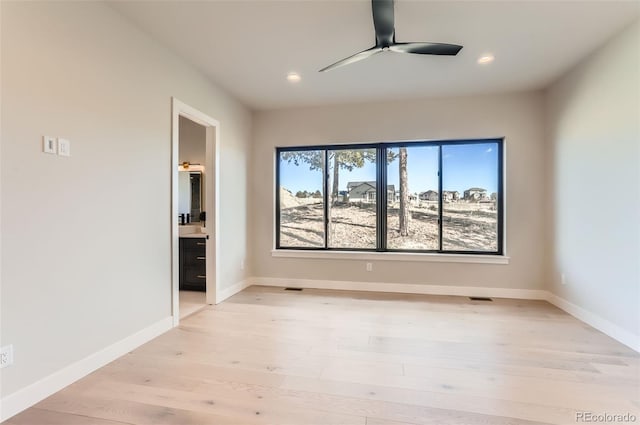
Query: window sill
x=391, y=256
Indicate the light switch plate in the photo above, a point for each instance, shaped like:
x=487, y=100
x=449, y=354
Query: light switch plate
x=49, y=145
x=64, y=147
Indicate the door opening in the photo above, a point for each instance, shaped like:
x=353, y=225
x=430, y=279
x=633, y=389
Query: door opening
x=194, y=224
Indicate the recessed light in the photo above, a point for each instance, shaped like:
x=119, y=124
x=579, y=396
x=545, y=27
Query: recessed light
x=293, y=77
x=486, y=59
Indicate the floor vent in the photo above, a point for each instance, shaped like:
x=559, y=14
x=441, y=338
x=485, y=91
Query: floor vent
x=293, y=289
x=480, y=299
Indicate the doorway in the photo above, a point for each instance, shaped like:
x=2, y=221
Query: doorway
x=194, y=210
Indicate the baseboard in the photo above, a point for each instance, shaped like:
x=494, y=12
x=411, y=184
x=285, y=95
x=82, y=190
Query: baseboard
x=603, y=325
x=223, y=294
x=403, y=288
x=22, y=399
x=623, y=336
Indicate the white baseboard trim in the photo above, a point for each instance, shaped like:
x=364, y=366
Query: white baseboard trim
x=403, y=288
x=614, y=331
x=225, y=293
x=603, y=325
x=22, y=399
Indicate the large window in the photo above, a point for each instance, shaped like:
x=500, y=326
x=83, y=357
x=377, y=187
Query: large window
x=441, y=196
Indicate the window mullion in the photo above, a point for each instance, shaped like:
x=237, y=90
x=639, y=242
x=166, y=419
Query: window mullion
x=440, y=196
x=500, y=198
x=278, y=212
x=325, y=183
x=381, y=195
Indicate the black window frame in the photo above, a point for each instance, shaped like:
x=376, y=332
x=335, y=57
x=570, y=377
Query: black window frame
x=381, y=194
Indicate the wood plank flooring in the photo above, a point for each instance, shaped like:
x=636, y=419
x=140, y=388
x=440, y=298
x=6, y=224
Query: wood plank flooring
x=269, y=356
x=191, y=302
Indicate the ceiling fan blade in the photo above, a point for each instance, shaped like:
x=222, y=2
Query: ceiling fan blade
x=354, y=58
x=426, y=48
x=383, y=22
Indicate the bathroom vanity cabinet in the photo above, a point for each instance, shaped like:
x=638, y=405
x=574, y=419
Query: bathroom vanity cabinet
x=193, y=265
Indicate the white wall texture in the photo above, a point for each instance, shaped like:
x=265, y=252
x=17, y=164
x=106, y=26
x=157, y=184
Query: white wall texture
x=593, y=127
x=193, y=142
x=86, y=240
x=517, y=117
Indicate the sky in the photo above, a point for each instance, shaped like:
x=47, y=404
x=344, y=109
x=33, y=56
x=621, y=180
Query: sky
x=464, y=166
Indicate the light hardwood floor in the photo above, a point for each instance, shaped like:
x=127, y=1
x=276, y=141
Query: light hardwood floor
x=191, y=302
x=269, y=356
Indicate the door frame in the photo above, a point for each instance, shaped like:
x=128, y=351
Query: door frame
x=212, y=202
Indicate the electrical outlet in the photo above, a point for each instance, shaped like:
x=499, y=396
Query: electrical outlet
x=369, y=267
x=241, y=264
x=563, y=279
x=6, y=356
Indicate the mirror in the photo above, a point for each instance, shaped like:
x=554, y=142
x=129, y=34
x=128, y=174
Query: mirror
x=190, y=196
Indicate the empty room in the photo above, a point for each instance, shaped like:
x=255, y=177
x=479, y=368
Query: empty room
x=319, y=212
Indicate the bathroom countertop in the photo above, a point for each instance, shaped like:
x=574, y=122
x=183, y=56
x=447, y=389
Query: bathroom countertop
x=194, y=235
x=192, y=231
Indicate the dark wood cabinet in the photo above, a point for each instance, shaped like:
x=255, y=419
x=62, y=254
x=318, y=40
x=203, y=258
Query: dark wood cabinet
x=193, y=265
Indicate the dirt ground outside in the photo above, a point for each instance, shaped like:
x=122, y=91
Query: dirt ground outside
x=467, y=226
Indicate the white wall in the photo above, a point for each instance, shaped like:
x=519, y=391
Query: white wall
x=86, y=240
x=517, y=117
x=593, y=117
x=184, y=192
x=193, y=142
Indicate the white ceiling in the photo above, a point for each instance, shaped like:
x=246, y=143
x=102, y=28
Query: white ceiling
x=248, y=47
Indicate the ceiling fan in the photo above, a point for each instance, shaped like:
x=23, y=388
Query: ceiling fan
x=383, y=22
